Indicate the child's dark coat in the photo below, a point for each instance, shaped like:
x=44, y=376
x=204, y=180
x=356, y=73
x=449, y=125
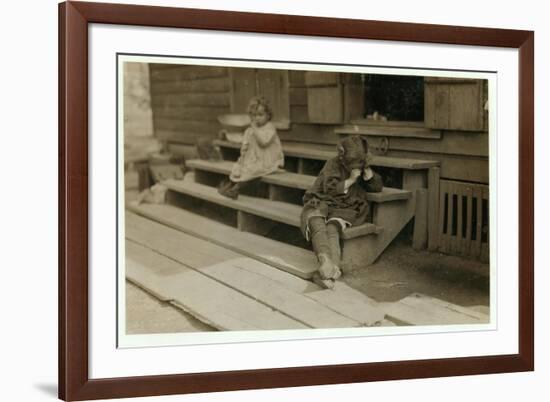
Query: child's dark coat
x=327, y=198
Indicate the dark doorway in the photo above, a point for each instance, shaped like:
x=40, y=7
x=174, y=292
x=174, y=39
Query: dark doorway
x=396, y=97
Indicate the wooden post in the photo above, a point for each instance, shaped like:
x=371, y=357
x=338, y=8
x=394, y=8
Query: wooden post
x=433, y=208
x=420, y=234
x=300, y=168
x=443, y=237
x=414, y=179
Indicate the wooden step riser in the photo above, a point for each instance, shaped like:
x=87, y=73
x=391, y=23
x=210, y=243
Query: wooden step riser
x=258, y=189
x=227, y=216
x=241, y=220
x=363, y=251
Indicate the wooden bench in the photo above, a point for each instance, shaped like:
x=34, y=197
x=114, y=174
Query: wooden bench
x=291, y=180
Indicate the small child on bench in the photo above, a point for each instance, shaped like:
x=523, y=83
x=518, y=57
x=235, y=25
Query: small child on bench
x=261, y=151
x=337, y=200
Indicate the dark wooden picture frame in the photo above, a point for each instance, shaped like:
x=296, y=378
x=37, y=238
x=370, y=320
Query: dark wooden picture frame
x=74, y=381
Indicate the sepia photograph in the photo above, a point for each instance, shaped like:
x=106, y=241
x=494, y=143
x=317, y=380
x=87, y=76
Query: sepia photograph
x=281, y=197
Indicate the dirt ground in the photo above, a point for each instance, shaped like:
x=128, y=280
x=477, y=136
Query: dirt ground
x=402, y=270
x=399, y=272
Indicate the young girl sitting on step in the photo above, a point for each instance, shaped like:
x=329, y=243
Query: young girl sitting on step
x=261, y=151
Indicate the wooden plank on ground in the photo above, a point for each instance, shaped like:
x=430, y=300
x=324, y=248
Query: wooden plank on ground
x=342, y=299
x=289, y=258
x=418, y=309
x=222, y=265
x=209, y=301
x=295, y=261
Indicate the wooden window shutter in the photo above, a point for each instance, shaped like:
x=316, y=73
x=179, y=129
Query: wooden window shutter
x=455, y=104
x=325, y=97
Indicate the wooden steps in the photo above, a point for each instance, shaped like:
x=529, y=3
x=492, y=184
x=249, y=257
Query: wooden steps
x=295, y=298
x=293, y=180
x=294, y=260
x=308, y=151
x=277, y=211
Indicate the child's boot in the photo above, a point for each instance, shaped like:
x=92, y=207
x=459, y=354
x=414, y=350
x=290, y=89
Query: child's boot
x=333, y=237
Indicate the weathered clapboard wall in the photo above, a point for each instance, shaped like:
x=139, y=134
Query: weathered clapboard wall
x=187, y=99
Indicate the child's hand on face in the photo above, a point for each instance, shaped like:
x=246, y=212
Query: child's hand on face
x=367, y=173
x=354, y=174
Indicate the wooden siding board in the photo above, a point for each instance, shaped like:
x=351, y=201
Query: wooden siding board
x=196, y=113
x=297, y=78
x=299, y=114
x=191, y=99
x=184, y=126
x=298, y=96
x=181, y=137
x=326, y=104
x=186, y=73
x=450, y=142
x=454, y=104
x=467, y=110
x=454, y=167
x=216, y=84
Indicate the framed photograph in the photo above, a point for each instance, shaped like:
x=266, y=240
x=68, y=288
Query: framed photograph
x=259, y=200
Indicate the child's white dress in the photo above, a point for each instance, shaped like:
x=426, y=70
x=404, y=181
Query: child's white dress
x=261, y=154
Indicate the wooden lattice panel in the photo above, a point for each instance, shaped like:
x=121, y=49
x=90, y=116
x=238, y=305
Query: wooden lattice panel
x=464, y=219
